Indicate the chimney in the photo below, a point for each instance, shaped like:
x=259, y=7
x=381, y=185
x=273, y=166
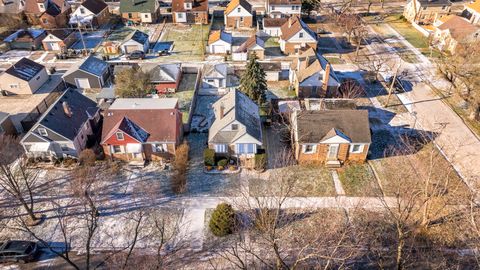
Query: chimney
x=326, y=78
x=289, y=21
x=66, y=109
x=222, y=111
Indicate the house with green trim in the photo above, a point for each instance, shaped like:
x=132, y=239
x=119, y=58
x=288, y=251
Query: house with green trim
x=139, y=11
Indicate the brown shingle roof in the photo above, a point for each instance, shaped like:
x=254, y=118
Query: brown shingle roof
x=251, y=42
x=293, y=26
x=274, y=22
x=313, y=63
x=234, y=3
x=459, y=27
x=197, y=5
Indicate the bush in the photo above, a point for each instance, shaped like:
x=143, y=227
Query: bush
x=87, y=158
x=222, y=162
x=260, y=162
x=180, y=164
x=209, y=157
x=67, y=162
x=222, y=221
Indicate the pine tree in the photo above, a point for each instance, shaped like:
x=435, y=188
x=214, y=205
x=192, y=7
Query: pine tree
x=253, y=82
x=222, y=221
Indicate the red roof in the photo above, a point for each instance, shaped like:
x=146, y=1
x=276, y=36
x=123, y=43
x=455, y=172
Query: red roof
x=197, y=5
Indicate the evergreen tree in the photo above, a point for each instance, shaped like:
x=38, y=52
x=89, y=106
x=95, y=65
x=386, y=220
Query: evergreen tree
x=253, y=82
x=222, y=221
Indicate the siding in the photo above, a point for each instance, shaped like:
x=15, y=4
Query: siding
x=93, y=80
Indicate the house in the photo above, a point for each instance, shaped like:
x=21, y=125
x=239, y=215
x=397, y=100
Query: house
x=238, y=14
x=23, y=78
x=190, y=11
x=215, y=76
x=283, y=8
x=251, y=45
x=6, y=125
x=48, y=13
x=136, y=41
x=89, y=73
x=273, y=26
x=275, y=71
x=64, y=129
x=236, y=130
x=59, y=40
x=165, y=77
x=426, y=11
x=26, y=39
x=295, y=35
x=331, y=137
x=142, y=129
x=472, y=12
x=219, y=42
x=11, y=12
x=311, y=75
x=139, y=11
x=91, y=13
x=456, y=30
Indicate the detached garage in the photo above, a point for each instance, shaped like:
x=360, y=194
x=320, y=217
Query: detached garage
x=136, y=41
x=90, y=73
x=219, y=42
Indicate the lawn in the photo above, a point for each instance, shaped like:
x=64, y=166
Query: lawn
x=188, y=41
x=310, y=181
x=185, y=93
x=272, y=42
x=412, y=35
x=358, y=180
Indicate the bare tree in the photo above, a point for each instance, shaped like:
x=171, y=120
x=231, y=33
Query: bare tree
x=16, y=178
x=350, y=89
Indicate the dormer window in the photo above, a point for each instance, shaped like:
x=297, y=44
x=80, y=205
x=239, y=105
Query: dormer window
x=239, y=10
x=300, y=35
x=188, y=5
x=82, y=11
x=42, y=132
x=120, y=136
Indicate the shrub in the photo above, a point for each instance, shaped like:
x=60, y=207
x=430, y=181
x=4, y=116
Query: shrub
x=209, y=157
x=222, y=221
x=260, y=162
x=232, y=167
x=67, y=162
x=87, y=158
x=220, y=168
x=222, y=162
x=180, y=164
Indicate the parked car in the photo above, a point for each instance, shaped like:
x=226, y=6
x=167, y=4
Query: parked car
x=163, y=53
x=18, y=251
x=136, y=55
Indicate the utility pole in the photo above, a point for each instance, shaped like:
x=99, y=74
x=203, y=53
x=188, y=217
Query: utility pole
x=390, y=89
x=81, y=35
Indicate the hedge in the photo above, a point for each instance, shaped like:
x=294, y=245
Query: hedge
x=209, y=157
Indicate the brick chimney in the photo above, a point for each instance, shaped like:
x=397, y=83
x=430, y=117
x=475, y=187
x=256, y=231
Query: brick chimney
x=289, y=21
x=66, y=109
x=326, y=78
x=222, y=111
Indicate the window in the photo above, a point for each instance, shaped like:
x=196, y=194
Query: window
x=309, y=148
x=234, y=126
x=300, y=35
x=13, y=85
x=130, y=15
x=241, y=19
x=273, y=7
x=245, y=148
x=38, y=78
x=159, y=147
x=210, y=80
x=45, y=21
x=64, y=147
x=239, y=10
x=82, y=11
x=120, y=136
x=180, y=15
x=356, y=148
x=42, y=132
x=116, y=149
x=146, y=15
x=220, y=148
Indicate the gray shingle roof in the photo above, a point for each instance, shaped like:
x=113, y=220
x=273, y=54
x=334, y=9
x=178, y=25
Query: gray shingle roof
x=91, y=65
x=25, y=69
x=163, y=72
x=139, y=37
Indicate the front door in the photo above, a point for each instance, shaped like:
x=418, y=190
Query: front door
x=332, y=152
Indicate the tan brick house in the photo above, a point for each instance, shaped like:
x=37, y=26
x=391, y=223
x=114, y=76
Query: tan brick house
x=238, y=14
x=331, y=137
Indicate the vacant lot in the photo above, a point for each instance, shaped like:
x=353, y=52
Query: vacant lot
x=188, y=41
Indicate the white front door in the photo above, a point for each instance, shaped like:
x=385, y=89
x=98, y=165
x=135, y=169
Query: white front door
x=332, y=151
x=82, y=83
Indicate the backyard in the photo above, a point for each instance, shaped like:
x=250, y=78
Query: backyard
x=185, y=93
x=188, y=41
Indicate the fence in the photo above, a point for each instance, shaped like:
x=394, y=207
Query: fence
x=421, y=29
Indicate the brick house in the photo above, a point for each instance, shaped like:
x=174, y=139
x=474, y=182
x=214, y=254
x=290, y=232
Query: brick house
x=190, y=11
x=142, y=129
x=48, y=13
x=139, y=11
x=238, y=14
x=295, y=35
x=426, y=11
x=331, y=137
x=165, y=78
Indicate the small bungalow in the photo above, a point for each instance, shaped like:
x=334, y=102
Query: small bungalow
x=165, y=77
x=331, y=137
x=24, y=77
x=89, y=73
x=239, y=14
x=236, y=130
x=142, y=129
x=296, y=35
x=139, y=11
x=64, y=129
x=48, y=13
x=219, y=42
x=273, y=26
x=190, y=11
x=59, y=40
x=26, y=39
x=136, y=41
x=91, y=13
x=252, y=44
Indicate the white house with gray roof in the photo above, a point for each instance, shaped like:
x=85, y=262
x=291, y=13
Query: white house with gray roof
x=136, y=41
x=236, y=129
x=63, y=129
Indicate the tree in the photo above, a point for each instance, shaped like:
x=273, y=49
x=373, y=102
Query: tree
x=222, y=221
x=132, y=83
x=180, y=166
x=350, y=89
x=253, y=82
x=310, y=5
x=16, y=178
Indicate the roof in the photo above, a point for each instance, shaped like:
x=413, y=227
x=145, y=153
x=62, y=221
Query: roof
x=217, y=35
x=434, y=3
x=31, y=6
x=144, y=104
x=317, y=126
x=459, y=27
x=138, y=36
x=95, y=6
x=147, y=119
x=53, y=10
x=251, y=42
x=235, y=3
x=274, y=22
x=34, y=33
x=313, y=63
x=12, y=7
x=3, y=116
x=475, y=6
x=56, y=120
x=329, y=104
x=284, y=2
x=145, y=6
x=60, y=33
x=197, y=5
x=215, y=71
x=271, y=66
x=25, y=69
x=237, y=107
x=297, y=24
x=91, y=65
x=163, y=72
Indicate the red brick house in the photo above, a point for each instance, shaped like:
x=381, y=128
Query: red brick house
x=190, y=11
x=239, y=14
x=48, y=14
x=164, y=77
x=142, y=129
